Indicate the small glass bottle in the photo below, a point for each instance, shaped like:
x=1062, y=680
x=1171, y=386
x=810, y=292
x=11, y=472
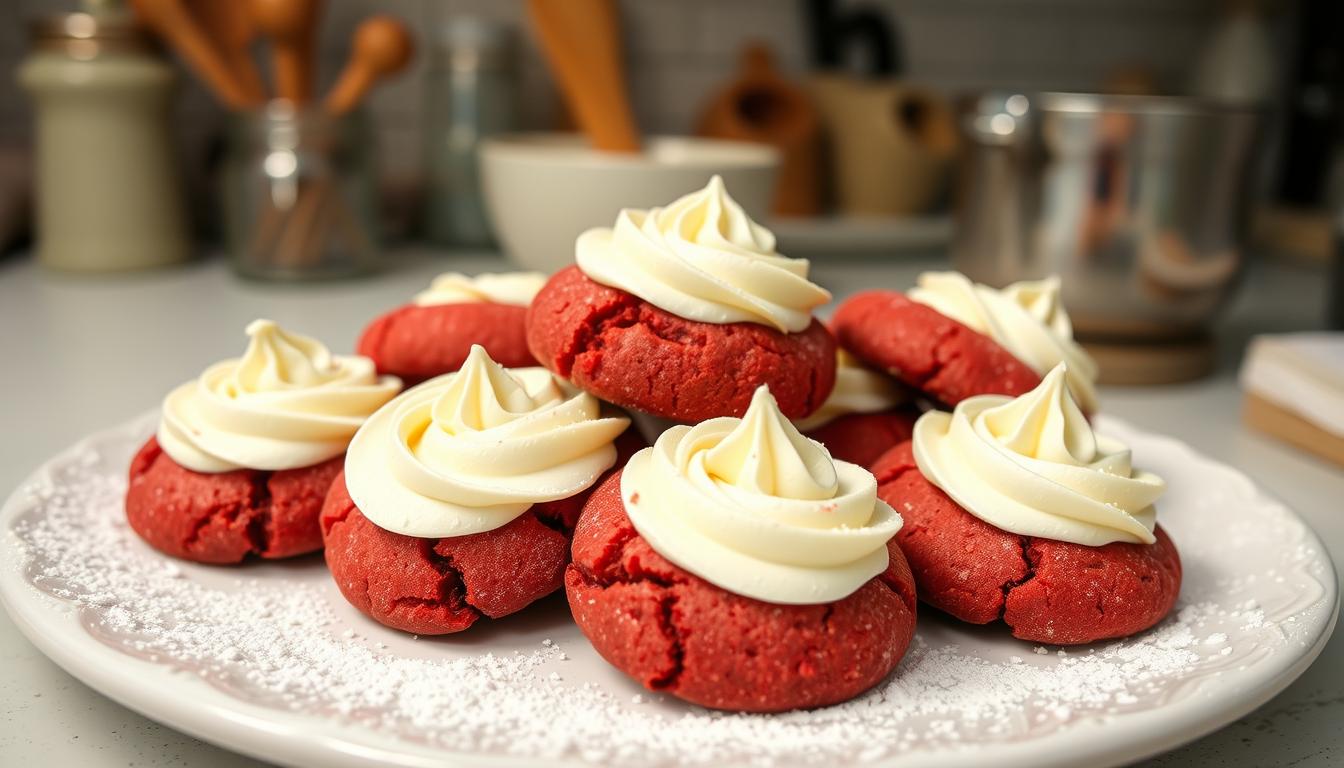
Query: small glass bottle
x=299, y=193
x=472, y=93
x=108, y=193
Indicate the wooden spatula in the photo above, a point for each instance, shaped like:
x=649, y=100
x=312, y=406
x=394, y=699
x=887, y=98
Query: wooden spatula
x=171, y=21
x=227, y=23
x=582, y=43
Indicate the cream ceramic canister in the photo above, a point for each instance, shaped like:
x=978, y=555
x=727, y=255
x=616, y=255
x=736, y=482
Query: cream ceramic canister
x=891, y=144
x=108, y=193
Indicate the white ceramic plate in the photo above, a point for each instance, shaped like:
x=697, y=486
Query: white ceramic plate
x=269, y=660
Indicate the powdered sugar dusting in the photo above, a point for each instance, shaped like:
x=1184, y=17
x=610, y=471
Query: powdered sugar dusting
x=280, y=635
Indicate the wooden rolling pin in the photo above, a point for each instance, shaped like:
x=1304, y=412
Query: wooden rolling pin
x=291, y=26
x=381, y=47
x=582, y=43
x=171, y=21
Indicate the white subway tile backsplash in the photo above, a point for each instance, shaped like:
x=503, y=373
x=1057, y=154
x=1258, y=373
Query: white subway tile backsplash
x=670, y=100
x=539, y=105
x=722, y=29
x=400, y=146
x=657, y=28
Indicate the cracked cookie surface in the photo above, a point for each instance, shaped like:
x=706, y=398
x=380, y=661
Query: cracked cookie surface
x=417, y=342
x=926, y=349
x=676, y=633
x=628, y=352
x=1045, y=590
x=440, y=586
x=223, y=518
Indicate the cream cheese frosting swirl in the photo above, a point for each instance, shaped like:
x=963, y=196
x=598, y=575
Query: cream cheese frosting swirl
x=286, y=403
x=857, y=390
x=1026, y=318
x=754, y=507
x=489, y=287
x=702, y=258
x=1033, y=466
x=470, y=451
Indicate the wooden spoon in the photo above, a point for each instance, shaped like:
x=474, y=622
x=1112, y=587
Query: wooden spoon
x=170, y=19
x=381, y=47
x=291, y=26
x=231, y=30
x=581, y=40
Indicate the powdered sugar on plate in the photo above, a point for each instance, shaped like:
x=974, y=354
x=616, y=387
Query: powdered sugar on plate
x=280, y=635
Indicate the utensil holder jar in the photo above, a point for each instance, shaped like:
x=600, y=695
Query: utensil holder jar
x=299, y=194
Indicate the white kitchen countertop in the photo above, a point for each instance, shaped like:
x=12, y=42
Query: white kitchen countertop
x=85, y=354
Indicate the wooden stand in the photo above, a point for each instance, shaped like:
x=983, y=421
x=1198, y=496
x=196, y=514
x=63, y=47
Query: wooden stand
x=1151, y=363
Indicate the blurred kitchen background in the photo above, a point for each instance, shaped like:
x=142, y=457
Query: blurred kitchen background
x=678, y=54
x=678, y=51
x=1202, y=133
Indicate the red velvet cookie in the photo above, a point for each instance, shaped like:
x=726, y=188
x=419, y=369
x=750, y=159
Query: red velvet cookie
x=1045, y=590
x=860, y=438
x=675, y=632
x=224, y=517
x=439, y=586
x=926, y=349
x=631, y=353
x=420, y=342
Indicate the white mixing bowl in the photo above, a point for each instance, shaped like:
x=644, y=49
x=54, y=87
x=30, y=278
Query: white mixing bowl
x=542, y=190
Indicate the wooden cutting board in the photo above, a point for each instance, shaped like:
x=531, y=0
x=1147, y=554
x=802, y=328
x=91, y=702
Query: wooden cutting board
x=1277, y=421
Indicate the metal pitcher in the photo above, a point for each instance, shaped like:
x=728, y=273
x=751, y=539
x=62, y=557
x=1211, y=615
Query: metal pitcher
x=1139, y=203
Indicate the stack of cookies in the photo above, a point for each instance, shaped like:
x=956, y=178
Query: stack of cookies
x=766, y=551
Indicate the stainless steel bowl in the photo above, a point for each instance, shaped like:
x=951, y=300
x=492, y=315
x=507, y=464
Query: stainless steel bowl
x=1138, y=203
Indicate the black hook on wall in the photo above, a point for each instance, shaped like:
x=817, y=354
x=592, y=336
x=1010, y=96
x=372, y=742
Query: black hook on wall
x=859, y=36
